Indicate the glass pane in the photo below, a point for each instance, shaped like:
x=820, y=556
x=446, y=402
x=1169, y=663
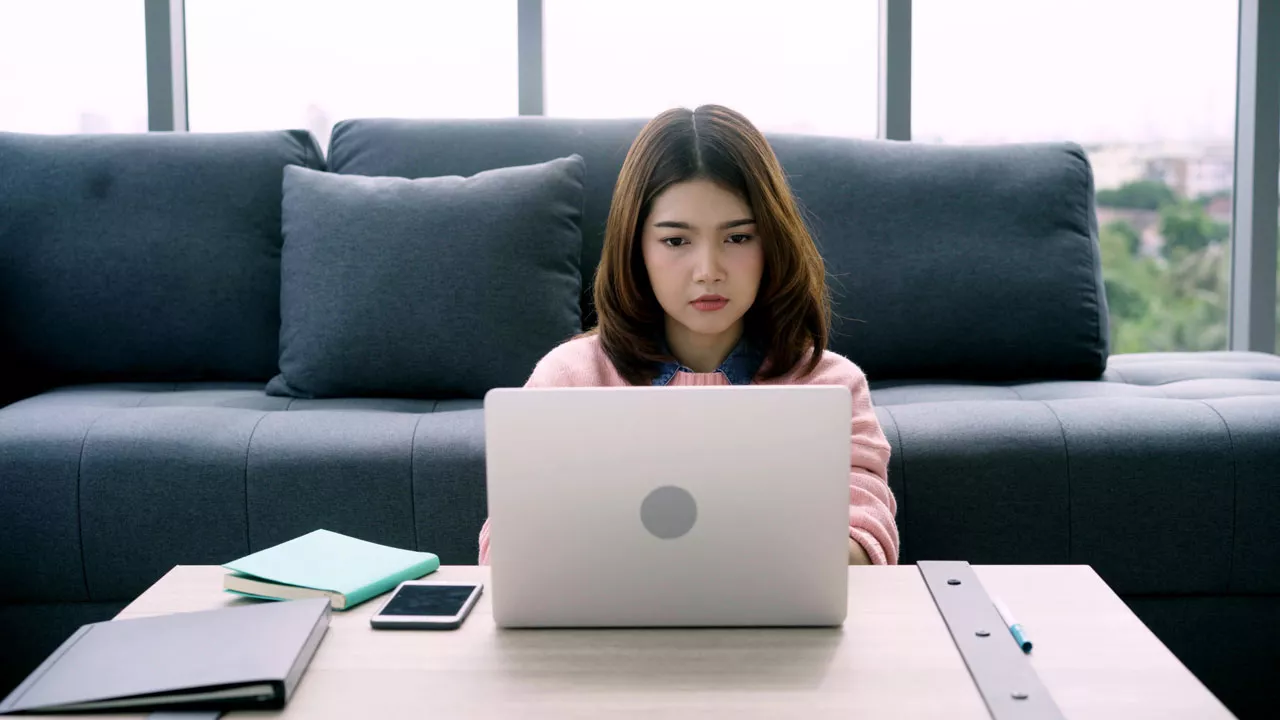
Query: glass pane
x=255, y=65
x=1148, y=88
x=807, y=66
x=73, y=66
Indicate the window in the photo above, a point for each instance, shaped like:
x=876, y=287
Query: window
x=310, y=63
x=807, y=66
x=1148, y=88
x=73, y=66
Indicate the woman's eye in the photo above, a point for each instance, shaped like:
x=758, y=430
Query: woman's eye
x=739, y=238
x=673, y=241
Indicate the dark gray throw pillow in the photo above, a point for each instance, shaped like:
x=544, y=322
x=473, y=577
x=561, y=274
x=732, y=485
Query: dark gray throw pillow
x=429, y=287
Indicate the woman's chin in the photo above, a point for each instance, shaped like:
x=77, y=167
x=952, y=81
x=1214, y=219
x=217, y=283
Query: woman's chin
x=709, y=326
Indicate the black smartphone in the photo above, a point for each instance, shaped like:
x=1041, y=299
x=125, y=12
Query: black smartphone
x=427, y=605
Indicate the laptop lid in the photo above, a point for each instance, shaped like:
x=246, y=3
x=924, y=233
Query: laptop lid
x=668, y=506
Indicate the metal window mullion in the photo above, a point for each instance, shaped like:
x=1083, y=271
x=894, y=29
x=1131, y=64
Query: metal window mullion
x=529, y=56
x=894, y=96
x=1252, y=309
x=166, y=38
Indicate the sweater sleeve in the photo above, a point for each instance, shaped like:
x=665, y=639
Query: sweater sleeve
x=559, y=368
x=872, y=506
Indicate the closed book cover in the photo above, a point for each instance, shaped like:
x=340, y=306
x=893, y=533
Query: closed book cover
x=251, y=656
x=346, y=570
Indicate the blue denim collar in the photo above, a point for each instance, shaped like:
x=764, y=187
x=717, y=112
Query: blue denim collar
x=740, y=367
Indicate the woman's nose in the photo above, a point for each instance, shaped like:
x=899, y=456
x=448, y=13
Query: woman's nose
x=709, y=268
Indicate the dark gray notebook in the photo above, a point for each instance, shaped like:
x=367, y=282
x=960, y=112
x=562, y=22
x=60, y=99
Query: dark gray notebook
x=250, y=656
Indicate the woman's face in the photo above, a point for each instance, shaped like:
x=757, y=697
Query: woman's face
x=703, y=257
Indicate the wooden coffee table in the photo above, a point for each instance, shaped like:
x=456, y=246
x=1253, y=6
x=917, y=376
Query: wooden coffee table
x=893, y=658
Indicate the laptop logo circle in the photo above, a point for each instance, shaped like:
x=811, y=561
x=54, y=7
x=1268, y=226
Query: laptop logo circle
x=669, y=512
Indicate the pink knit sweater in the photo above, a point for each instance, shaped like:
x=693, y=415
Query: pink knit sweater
x=583, y=363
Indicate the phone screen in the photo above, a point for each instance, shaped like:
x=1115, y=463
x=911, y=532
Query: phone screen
x=443, y=600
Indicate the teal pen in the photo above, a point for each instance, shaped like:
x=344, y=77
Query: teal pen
x=1015, y=628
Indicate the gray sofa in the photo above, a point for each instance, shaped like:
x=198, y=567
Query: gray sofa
x=140, y=307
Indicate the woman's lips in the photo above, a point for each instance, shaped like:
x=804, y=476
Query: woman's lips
x=709, y=303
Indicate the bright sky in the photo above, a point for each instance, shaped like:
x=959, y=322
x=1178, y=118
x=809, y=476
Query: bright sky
x=983, y=70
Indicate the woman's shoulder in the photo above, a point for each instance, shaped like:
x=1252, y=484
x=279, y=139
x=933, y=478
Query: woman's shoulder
x=577, y=362
x=574, y=350
x=832, y=369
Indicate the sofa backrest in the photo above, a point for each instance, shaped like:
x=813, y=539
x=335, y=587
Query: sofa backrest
x=157, y=256
x=944, y=262
x=152, y=256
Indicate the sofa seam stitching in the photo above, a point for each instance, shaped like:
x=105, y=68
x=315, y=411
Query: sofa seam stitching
x=902, y=450
x=1235, y=494
x=84, y=563
x=413, y=503
x=248, y=543
x=1095, y=261
x=311, y=144
x=1066, y=451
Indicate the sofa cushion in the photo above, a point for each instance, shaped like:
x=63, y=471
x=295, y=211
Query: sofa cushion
x=40, y=502
x=248, y=396
x=967, y=262
x=143, y=257
x=1175, y=376
x=1254, y=427
x=982, y=481
x=160, y=487
x=1162, y=476
x=1160, y=494
x=1152, y=492
x=429, y=287
x=104, y=488
x=1141, y=489
x=1167, y=369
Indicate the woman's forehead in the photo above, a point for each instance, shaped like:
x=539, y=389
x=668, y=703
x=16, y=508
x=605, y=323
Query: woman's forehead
x=695, y=200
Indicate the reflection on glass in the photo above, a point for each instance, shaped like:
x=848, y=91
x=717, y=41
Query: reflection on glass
x=73, y=66
x=1148, y=88
x=805, y=66
x=255, y=65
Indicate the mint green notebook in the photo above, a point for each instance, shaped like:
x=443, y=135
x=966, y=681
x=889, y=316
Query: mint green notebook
x=321, y=563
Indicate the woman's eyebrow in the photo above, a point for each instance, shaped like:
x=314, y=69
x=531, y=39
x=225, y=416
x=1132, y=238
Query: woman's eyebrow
x=685, y=226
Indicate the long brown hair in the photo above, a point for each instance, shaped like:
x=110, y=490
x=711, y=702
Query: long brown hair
x=790, y=315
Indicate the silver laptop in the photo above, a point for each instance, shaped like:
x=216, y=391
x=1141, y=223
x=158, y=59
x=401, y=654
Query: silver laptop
x=668, y=506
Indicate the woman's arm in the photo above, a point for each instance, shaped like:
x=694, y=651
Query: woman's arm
x=571, y=364
x=873, y=532
x=857, y=556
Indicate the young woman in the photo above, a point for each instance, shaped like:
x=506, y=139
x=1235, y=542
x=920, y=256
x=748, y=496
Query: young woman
x=709, y=277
